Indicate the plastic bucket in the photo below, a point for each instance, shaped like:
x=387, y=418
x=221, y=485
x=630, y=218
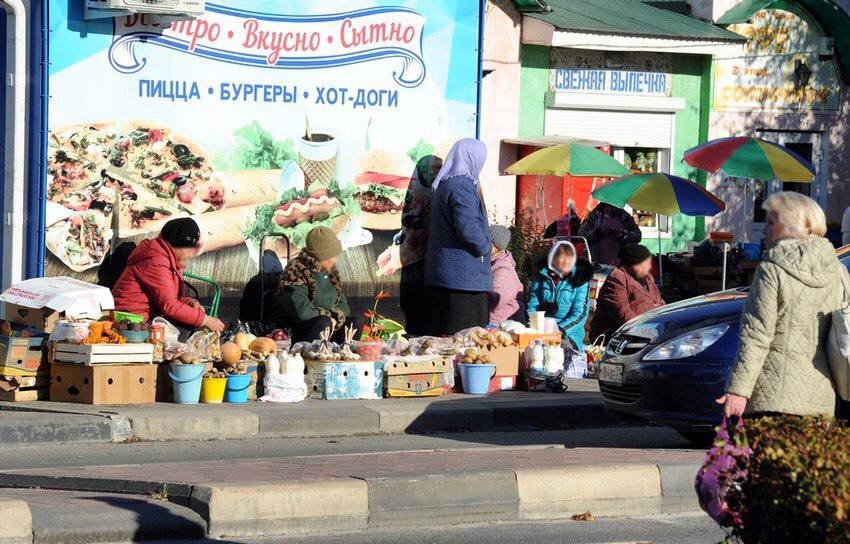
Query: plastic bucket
x=187, y=382
x=212, y=390
x=476, y=378
x=237, y=388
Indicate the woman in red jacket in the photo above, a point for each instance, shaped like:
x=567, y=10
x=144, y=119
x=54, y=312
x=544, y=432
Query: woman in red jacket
x=152, y=283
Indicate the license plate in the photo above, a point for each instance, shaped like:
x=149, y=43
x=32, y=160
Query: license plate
x=611, y=373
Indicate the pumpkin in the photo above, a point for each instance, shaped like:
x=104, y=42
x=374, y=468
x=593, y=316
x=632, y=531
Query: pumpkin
x=263, y=345
x=230, y=353
x=243, y=340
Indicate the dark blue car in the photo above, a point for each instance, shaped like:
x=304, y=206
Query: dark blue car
x=670, y=365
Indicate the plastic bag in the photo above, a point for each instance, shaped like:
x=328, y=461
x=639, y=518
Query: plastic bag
x=286, y=384
x=206, y=345
x=171, y=332
x=725, y=468
x=575, y=363
x=72, y=332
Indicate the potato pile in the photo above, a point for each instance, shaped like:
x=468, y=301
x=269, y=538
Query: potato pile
x=474, y=357
x=490, y=339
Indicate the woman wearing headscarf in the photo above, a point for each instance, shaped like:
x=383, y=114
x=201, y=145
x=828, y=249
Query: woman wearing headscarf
x=457, y=256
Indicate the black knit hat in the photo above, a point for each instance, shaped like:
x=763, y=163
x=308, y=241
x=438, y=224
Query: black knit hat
x=634, y=254
x=182, y=232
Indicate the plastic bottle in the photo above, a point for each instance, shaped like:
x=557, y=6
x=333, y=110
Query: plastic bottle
x=272, y=365
x=537, y=357
x=554, y=359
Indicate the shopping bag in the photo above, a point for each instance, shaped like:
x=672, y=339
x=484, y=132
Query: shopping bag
x=838, y=347
x=725, y=469
x=575, y=363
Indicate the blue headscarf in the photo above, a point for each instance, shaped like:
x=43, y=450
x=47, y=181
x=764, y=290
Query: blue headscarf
x=466, y=159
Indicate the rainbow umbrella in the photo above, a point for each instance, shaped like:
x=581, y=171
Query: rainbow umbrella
x=747, y=157
x=660, y=193
x=569, y=159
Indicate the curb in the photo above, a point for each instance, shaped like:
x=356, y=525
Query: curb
x=42, y=425
x=17, y=522
x=345, y=504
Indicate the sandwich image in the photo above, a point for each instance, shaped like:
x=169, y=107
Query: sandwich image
x=80, y=241
x=382, y=187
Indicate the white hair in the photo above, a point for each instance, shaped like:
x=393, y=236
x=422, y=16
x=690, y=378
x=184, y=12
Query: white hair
x=801, y=216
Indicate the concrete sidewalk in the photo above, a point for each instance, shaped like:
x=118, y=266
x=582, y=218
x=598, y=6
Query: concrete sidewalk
x=304, y=495
x=50, y=422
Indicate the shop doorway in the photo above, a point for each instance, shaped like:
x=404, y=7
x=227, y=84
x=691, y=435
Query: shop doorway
x=811, y=146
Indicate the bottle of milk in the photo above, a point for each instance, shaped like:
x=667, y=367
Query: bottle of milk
x=537, y=357
x=554, y=358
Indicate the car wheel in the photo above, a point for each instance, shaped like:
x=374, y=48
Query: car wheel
x=700, y=439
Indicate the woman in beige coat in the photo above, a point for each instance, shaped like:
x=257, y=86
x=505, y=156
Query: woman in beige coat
x=781, y=366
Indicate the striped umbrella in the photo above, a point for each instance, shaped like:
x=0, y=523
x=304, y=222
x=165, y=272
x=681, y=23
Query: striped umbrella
x=754, y=158
x=661, y=194
x=573, y=159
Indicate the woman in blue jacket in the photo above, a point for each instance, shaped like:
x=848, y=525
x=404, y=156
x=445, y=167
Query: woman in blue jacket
x=560, y=290
x=457, y=257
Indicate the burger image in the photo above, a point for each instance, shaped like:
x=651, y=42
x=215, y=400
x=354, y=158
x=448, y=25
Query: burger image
x=382, y=187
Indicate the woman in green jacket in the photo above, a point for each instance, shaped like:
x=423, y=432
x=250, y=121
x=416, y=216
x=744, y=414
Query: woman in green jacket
x=781, y=366
x=309, y=299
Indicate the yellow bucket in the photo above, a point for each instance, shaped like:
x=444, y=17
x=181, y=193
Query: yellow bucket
x=212, y=390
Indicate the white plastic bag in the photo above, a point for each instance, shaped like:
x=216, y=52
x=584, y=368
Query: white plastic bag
x=288, y=386
x=575, y=363
x=70, y=331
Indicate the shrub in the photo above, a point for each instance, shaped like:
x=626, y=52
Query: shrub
x=798, y=489
x=527, y=246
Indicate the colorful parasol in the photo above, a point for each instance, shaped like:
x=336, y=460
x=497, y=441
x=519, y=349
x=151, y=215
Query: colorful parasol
x=568, y=159
x=660, y=193
x=748, y=157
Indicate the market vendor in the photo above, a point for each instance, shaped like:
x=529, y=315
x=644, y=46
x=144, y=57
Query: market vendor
x=628, y=292
x=309, y=299
x=608, y=229
x=560, y=289
x=152, y=282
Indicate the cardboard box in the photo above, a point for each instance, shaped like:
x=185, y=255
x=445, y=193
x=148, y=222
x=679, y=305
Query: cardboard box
x=103, y=384
x=506, y=359
x=21, y=356
x=416, y=365
x=24, y=388
x=40, y=302
x=102, y=354
x=331, y=380
x=497, y=383
x=416, y=385
x=523, y=340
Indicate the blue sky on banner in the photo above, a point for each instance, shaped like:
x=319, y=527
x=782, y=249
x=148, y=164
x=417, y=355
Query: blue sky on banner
x=447, y=21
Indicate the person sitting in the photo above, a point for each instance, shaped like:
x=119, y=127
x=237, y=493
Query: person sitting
x=152, y=283
x=506, y=298
x=628, y=292
x=309, y=299
x=561, y=290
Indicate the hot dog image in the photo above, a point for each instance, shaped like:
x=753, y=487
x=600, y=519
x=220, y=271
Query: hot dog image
x=298, y=211
x=316, y=206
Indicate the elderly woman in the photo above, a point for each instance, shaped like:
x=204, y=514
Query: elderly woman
x=781, y=366
x=457, y=255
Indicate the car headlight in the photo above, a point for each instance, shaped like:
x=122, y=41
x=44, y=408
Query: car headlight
x=689, y=344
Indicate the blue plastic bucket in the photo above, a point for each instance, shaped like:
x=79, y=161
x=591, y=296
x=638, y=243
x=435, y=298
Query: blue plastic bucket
x=476, y=378
x=237, y=388
x=187, y=382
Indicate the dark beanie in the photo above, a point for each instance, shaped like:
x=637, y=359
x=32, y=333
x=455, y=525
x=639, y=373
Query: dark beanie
x=183, y=232
x=322, y=244
x=634, y=254
x=501, y=236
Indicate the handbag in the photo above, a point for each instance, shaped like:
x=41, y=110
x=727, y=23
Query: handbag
x=725, y=468
x=838, y=346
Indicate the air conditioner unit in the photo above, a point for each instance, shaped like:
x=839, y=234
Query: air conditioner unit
x=98, y=9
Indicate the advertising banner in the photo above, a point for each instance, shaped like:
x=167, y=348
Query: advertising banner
x=260, y=119
x=780, y=69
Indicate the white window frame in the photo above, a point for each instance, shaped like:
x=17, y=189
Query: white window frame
x=663, y=165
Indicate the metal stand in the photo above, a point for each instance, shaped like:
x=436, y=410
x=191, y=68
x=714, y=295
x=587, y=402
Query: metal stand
x=726, y=249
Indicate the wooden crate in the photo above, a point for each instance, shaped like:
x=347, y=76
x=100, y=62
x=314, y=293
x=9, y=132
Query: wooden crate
x=103, y=354
x=36, y=388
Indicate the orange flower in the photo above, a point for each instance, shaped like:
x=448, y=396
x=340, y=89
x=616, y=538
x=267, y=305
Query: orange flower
x=369, y=314
x=382, y=295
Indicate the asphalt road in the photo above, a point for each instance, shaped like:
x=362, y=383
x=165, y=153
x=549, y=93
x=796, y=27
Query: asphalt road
x=71, y=455
x=680, y=529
